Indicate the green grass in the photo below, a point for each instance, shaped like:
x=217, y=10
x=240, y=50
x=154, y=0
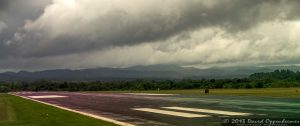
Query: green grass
x=15, y=111
x=6, y=111
x=266, y=92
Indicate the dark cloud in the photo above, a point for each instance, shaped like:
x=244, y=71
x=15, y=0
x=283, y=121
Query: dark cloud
x=14, y=13
x=118, y=27
x=74, y=27
x=3, y=4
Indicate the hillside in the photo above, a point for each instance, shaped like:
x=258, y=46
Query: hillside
x=139, y=72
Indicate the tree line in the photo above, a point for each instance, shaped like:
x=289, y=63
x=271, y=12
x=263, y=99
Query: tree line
x=277, y=78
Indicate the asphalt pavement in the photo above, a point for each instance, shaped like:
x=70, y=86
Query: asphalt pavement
x=170, y=109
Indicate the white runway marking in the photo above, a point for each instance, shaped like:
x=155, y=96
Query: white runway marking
x=47, y=96
x=173, y=113
x=80, y=112
x=151, y=94
x=209, y=111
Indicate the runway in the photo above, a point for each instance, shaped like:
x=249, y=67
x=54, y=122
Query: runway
x=169, y=109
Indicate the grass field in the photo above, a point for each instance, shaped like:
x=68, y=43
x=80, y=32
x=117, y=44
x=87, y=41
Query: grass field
x=268, y=92
x=15, y=111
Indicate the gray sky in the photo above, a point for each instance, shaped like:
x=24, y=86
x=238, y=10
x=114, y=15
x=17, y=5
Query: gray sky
x=48, y=34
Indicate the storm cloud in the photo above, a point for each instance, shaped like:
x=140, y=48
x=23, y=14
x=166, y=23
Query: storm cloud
x=118, y=33
x=2, y=26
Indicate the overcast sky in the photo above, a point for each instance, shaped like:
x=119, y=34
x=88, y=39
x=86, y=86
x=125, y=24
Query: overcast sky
x=50, y=34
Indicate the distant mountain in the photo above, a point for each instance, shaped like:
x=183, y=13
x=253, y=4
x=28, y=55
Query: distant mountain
x=140, y=72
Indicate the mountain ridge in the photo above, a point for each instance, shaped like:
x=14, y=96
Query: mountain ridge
x=139, y=72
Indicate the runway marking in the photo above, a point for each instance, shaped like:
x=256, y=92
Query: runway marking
x=209, y=111
x=173, y=113
x=79, y=112
x=239, y=102
x=151, y=94
x=47, y=96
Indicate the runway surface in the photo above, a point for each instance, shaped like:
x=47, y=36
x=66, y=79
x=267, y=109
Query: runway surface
x=170, y=110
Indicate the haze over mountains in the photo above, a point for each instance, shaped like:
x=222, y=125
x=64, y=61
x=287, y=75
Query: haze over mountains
x=140, y=72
